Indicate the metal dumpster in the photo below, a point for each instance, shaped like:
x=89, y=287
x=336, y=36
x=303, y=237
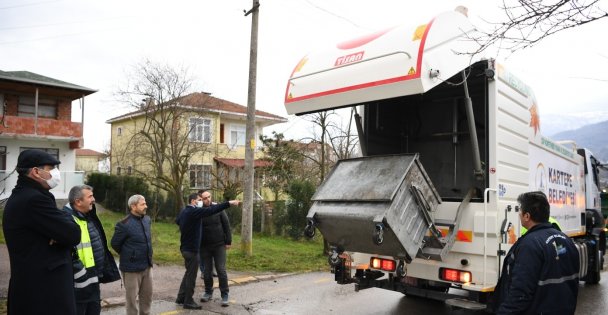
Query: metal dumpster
x=377, y=204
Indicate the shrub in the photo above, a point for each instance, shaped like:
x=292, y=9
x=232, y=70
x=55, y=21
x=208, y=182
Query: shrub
x=113, y=191
x=294, y=218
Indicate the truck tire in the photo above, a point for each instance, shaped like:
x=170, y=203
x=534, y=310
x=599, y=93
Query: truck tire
x=595, y=267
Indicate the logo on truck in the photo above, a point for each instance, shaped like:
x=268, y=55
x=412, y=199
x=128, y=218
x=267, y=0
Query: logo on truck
x=358, y=56
x=541, y=178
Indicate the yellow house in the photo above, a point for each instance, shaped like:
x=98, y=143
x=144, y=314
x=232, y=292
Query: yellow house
x=212, y=128
x=87, y=160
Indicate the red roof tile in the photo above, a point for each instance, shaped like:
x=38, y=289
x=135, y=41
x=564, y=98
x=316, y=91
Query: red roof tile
x=88, y=152
x=205, y=101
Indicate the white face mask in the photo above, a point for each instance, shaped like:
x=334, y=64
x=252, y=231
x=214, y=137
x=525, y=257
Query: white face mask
x=199, y=204
x=55, y=178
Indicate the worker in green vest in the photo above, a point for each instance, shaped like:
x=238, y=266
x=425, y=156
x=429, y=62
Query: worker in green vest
x=551, y=220
x=92, y=261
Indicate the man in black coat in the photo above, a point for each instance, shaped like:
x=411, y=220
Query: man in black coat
x=216, y=238
x=540, y=272
x=189, y=221
x=39, y=238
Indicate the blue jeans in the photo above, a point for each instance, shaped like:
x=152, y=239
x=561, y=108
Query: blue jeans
x=210, y=256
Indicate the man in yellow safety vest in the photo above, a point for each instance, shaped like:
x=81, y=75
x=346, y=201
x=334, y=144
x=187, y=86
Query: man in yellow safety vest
x=553, y=222
x=92, y=261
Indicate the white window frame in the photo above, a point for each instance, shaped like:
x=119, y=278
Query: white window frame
x=234, y=140
x=200, y=129
x=202, y=174
x=119, y=131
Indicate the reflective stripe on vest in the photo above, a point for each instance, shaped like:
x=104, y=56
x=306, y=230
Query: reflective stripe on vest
x=84, y=249
x=80, y=285
x=558, y=280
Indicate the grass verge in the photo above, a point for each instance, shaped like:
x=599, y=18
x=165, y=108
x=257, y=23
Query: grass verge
x=270, y=253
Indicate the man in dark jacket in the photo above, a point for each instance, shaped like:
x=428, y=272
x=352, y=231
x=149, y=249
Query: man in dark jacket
x=93, y=263
x=133, y=241
x=216, y=239
x=540, y=272
x=189, y=221
x=39, y=238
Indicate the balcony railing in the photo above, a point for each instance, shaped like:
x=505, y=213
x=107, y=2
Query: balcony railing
x=42, y=127
x=8, y=180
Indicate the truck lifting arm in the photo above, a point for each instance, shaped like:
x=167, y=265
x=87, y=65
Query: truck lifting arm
x=478, y=171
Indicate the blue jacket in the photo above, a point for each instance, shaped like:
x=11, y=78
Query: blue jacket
x=540, y=274
x=132, y=240
x=189, y=221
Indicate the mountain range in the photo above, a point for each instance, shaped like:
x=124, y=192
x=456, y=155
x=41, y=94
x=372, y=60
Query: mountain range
x=592, y=136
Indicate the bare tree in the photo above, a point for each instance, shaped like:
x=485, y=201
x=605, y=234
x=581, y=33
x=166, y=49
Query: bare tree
x=160, y=147
x=334, y=139
x=530, y=21
x=342, y=140
x=322, y=121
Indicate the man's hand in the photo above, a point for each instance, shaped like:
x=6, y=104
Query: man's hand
x=228, y=246
x=234, y=202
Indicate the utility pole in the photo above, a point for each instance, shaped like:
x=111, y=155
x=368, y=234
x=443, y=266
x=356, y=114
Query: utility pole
x=247, y=219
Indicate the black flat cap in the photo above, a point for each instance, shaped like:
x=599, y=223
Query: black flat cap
x=33, y=158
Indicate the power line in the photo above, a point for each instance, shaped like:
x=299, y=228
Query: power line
x=61, y=23
x=27, y=4
x=58, y=36
x=333, y=14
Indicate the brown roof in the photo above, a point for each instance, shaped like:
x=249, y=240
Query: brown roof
x=205, y=101
x=239, y=163
x=88, y=152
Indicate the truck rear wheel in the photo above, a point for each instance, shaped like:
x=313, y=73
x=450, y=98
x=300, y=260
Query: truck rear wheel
x=595, y=265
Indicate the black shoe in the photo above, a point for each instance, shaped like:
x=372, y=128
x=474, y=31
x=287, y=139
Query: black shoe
x=179, y=301
x=215, y=274
x=192, y=306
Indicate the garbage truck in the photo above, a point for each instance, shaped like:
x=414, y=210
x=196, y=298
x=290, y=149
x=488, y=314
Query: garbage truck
x=448, y=142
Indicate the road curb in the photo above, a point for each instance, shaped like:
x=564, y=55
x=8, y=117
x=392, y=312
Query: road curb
x=120, y=301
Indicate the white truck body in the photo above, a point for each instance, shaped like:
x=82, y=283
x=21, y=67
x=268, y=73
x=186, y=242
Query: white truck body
x=398, y=79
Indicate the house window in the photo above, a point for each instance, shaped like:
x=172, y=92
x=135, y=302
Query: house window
x=53, y=152
x=200, y=176
x=129, y=170
x=47, y=108
x=2, y=158
x=237, y=134
x=118, y=169
x=200, y=130
x=119, y=131
x=2, y=105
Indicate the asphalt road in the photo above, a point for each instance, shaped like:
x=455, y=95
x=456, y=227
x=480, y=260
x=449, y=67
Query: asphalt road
x=310, y=293
x=316, y=293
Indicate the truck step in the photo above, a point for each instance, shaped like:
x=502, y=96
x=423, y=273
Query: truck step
x=465, y=304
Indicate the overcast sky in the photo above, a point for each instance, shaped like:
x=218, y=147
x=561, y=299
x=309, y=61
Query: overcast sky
x=94, y=43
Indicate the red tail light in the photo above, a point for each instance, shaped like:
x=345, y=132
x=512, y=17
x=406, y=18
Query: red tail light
x=383, y=264
x=455, y=275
